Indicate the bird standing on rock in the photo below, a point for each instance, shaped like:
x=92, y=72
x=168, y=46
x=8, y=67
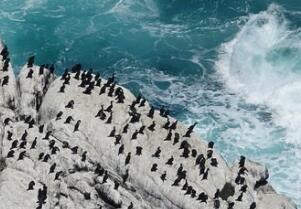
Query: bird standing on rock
x=31, y=185
x=30, y=61
x=109, y=121
x=29, y=75
x=189, y=130
x=163, y=176
x=52, y=168
x=76, y=127
x=121, y=149
x=128, y=158
x=10, y=154
x=157, y=153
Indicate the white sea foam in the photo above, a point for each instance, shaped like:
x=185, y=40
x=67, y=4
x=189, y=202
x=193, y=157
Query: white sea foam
x=263, y=63
x=136, y=9
x=32, y=4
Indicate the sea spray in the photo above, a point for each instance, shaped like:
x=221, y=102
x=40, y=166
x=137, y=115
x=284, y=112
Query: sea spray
x=263, y=65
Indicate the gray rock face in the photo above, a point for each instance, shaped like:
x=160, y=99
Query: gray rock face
x=61, y=150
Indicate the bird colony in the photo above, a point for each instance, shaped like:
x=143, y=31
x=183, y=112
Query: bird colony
x=81, y=141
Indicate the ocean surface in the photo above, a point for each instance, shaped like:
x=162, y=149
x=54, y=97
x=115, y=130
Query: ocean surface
x=234, y=66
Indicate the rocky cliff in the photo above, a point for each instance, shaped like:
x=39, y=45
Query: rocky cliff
x=80, y=141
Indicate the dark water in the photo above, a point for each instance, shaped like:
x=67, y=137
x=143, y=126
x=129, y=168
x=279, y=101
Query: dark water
x=232, y=65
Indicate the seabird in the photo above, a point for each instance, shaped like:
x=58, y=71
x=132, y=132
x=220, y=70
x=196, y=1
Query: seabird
x=57, y=175
x=260, y=182
x=231, y=205
x=189, y=130
x=174, y=125
x=9, y=135
x=209, y=154
x=253, y=205
x=41, y=128
x=34, y=143
x=170, y=161
x=70, y=104
x=41, y=69
x=242, y=161
x=30, y=61
x=117, y=139
x=166, y=125
x=65, y=74
x=142, y=103
x=135, y=117
x=239, y=198
x=5, y=80
x=87, y=195
x=52, y=168
x=30, y=72
x=210, y=145
x=62, y=89
x=152, y=126
x=112, y=133
x=214, y=162
x=110, y=107
x=194, y=153
x=128, y=158
x=185, y=153
x=109, y=121
x=185, y=185
x=141, y=130
x=125, y=128
x=169, y=135
x=46, y=158
x=134, y=136
x=157, y=153
x=23, y=145
x=74, y=150
x=54, y=150
x=6, y=64
x=163, y=176
x=59, y=115
x=84, y=156
x=76, y=127
x=68, y=119
x=47, y=135
x=244, y=188
x=216, y=195
x=131, y=206
x=203, y=197
x=176, y=138
x=51, y=68
x=139, y=150
x=31, y=123
x=102, y=90
x=101, y=114
x=10, y=154
x=6, y=121
x=205, y=175
x=31, y=185
x=21, y=155
x=154, y=167
x=14, y=144
x=24, y=135
x=151, y=112
x=121, y=149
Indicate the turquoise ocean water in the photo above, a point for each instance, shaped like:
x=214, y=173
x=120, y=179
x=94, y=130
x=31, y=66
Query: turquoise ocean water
x=232, y=65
